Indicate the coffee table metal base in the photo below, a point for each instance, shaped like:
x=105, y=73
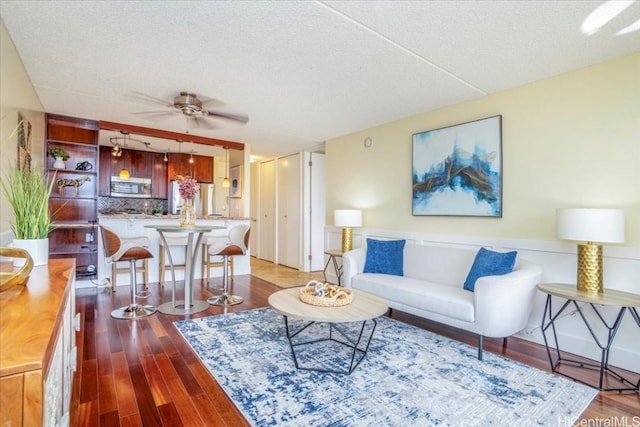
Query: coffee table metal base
x=179, y=308
x=359, y=346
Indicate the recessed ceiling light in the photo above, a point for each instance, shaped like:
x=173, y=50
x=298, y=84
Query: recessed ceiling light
x=630, y=29
x=603, y=14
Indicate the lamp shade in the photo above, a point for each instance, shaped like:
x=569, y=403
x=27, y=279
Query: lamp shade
x=347, y=218
x=590, y=225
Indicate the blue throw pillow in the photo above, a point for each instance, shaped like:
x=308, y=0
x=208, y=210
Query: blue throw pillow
x=385, y=257
x=489, y=263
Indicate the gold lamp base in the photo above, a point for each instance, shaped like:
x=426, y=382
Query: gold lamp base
x=347, y=239
x=590, y=268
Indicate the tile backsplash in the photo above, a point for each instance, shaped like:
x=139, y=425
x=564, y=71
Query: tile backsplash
x=113, y=205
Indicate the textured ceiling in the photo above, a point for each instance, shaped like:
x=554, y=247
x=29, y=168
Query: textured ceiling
x=304, y=72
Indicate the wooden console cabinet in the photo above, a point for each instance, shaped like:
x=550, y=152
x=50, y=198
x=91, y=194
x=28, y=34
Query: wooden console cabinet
x=38, y=347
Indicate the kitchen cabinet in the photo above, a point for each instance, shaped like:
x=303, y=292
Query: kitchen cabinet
x=104, y=177
x=140, y=164
x=38, y=334
x=73, y=204
x=159, y=179
x=201, y=169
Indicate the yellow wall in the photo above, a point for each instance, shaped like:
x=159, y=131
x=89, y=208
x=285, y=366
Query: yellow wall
x=568, y=141
x=16, y=95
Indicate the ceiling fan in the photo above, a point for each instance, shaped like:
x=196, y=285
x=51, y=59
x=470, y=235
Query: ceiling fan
x=189, y=105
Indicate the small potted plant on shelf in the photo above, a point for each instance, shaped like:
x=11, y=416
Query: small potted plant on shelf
x=28, y=191
x=60, y=155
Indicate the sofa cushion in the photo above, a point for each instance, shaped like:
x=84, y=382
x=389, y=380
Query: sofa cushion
x=489, y=263
x=384, y=257
x=445, y=300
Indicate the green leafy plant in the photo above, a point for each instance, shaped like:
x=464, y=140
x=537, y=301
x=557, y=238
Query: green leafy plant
x=58, y=152
x=28, y=194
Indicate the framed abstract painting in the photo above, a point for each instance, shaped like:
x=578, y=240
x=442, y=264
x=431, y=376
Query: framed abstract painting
x=235, y=174
x=457, y=170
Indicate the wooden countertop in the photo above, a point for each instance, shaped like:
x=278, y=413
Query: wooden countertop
x=30, y=316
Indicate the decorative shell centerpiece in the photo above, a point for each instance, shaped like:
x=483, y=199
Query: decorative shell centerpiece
x=325, y=294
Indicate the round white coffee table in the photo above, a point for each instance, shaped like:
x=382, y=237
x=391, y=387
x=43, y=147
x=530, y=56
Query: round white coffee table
x=365, y=308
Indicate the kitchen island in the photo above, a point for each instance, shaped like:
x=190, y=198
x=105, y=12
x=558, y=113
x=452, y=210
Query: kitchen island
x=133, y=225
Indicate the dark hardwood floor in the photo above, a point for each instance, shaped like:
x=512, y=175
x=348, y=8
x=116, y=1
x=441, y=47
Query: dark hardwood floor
x=142, y=373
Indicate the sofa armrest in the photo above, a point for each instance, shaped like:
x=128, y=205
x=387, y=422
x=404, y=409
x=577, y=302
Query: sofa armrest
x=352, y=264
x=503, y=303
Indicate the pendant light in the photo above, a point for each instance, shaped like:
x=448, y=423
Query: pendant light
x=124, y=173
x=225, y=182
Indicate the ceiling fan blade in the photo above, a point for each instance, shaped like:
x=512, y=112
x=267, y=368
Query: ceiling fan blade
x=203, y=124
x=156, y=113
x=139, y=96
x=212, y=103
x=241, y=118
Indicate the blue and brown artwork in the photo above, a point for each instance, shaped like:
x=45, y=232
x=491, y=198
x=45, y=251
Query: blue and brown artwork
x=457, y=170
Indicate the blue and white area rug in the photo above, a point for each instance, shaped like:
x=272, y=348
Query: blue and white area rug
x=410, y=377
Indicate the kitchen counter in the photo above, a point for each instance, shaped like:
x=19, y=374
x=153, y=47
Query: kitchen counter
x=125, y=215
x=133, y=225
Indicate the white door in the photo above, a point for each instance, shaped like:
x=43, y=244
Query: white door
x=289, y=211
x=267, y=211
x=254, y=209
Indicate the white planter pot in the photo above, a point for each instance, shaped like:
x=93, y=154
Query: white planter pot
x=59, y=163
x=37, y=248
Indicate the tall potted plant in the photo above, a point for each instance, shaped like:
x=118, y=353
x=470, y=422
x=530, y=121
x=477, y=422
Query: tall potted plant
x=28, y=191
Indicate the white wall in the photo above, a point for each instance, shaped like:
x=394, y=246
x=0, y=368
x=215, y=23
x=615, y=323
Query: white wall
x=17, y=95
x=572, y=140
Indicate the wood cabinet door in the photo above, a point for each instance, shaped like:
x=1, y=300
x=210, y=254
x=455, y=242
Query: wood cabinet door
x=140, y=162
x=104, y=172
x=158, y=176
x=203, y=168
x=178, y=165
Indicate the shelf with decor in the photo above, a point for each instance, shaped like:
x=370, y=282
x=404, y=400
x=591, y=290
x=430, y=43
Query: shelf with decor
x=73, y=204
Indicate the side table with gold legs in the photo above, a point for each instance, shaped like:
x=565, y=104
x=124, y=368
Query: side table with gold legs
x=624, y=300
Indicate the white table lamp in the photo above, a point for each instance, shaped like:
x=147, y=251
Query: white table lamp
x=590, y=225
x=347, y=218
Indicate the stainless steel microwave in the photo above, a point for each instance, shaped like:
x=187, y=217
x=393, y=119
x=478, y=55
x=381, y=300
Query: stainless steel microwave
x=131, y=187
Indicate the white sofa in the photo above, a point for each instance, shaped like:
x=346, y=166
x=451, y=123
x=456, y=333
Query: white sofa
x=432, y=288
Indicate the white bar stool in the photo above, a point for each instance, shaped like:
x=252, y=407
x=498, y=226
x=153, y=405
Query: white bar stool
x=239, y=243
x=117, y=250
x=144, y=268
x=210, y=261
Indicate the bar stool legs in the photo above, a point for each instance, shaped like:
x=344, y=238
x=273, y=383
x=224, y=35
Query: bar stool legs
x=133, y=310
x=225, y=299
